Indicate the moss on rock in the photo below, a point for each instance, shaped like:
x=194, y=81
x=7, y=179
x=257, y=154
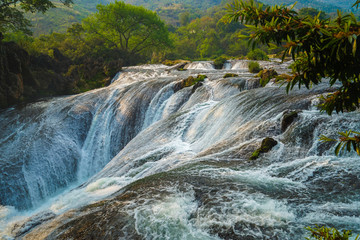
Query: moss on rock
x=266, y=75
x=190, y=81
x=266, y=145
x=229, y=75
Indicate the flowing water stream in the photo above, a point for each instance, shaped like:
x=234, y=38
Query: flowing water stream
x=147, y=159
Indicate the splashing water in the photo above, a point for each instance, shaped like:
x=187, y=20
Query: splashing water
x=142, y=158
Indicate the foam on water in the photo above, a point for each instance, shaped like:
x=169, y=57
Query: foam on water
x=141, y=125
x=200, y=66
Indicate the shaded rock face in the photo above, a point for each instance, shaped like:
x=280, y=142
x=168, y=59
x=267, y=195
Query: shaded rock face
x=24, y=77
x=14, y=74
x=288, y=119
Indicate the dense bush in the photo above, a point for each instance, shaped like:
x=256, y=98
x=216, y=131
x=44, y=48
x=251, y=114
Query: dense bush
x=257, y=54
x=254, y=67
x=219, y=62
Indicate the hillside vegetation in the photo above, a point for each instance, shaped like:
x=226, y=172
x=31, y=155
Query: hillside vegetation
x=59, y=19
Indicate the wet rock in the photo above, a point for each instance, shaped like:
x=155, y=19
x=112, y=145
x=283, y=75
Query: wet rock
x=287, y=119
x=266, y=145
x=190, y=81
x=176, y=65
x=26, y=226
x=196, y=86
x=253, y=83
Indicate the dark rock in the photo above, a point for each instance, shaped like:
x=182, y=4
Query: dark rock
x=177, y=66
x=196, y=86
x=14, y=73
x=287, y=119
x=266, y=145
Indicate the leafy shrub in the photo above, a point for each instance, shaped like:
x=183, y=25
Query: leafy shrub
x=254, y=67
x=229, y=75
x=219, y=62
x=324, y=233
x=257, y=54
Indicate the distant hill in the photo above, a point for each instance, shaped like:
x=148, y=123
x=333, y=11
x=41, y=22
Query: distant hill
x=323, y=5
x=59, y=19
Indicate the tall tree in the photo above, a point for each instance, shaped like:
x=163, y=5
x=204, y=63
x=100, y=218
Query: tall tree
x=12, y=13
x=129, y=28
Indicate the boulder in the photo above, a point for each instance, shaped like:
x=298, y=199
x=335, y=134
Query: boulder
x=288, y=118
x=266, y=145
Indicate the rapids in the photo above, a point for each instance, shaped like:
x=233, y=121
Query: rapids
x=146, y=159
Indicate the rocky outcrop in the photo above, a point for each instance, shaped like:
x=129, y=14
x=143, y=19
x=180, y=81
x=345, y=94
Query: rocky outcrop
x=15, y=74
x=25, y=78
x=190, y=81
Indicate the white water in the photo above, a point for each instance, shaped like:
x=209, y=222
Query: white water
x=140, y=126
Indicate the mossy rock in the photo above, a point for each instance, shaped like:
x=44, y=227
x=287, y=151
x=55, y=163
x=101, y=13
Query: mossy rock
x=266, y=75
x=190, y=81
x=287, y=119
x=229, y=75
x=266, y=145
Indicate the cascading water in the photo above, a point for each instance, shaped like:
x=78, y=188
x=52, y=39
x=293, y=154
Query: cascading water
x=145, y=159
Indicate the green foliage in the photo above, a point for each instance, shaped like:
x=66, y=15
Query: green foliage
x=321, y=48
x=266, y=75
x=219, y=62
x=129, y=28
x=184, y=18
x=254, y=67
x=200, y=78
x=257, y=54
x=311, y=13
x=349, y=140
x=191, y=81
x=57, y=19
x=229, y=75
x=324, y=233
x=12, y=13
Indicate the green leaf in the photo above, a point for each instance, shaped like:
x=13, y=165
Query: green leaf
x=354, y=47
x=337, y=149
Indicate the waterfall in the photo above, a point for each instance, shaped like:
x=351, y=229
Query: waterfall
x=200, y=66
x=144, y=159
